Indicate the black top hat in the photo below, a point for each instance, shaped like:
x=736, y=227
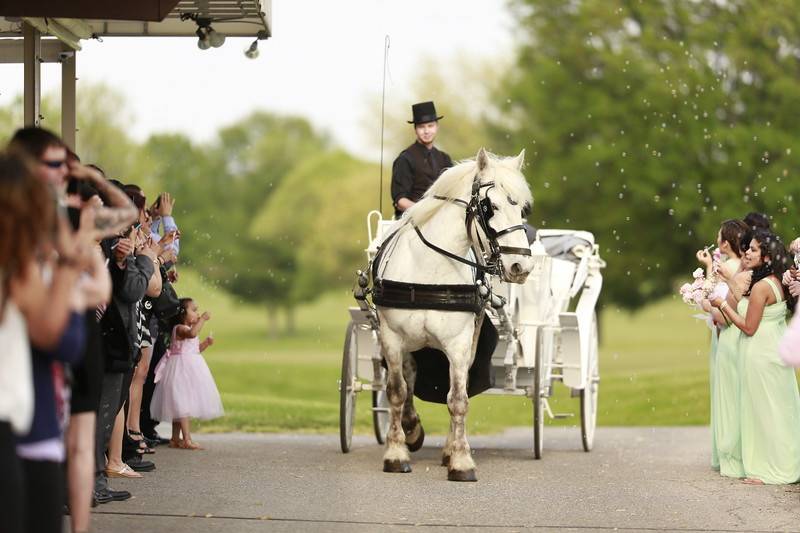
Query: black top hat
x=424, y=112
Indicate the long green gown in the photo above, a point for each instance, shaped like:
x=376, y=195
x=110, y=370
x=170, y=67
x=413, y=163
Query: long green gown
x=725, y=404
x=712, y=379
x=770, y=402
x=726, y=436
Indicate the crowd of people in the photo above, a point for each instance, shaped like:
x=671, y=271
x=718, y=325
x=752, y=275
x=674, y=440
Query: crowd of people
x=97, y=346
x=755, y=404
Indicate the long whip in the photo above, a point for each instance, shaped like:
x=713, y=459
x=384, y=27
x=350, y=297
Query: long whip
x=383, y=114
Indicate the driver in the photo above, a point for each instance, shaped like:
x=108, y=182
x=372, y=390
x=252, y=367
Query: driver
x=418, y=166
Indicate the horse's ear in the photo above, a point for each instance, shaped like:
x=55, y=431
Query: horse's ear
x=519, y=161
x=482, y=159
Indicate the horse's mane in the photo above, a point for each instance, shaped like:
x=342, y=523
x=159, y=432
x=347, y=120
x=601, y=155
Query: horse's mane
x=456, y=182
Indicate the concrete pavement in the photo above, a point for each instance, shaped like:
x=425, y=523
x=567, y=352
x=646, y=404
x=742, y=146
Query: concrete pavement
x=638, y=479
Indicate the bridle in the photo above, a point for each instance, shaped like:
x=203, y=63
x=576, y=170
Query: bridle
x=479, y=211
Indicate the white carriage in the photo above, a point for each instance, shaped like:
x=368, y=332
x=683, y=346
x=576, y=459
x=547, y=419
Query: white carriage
x=547, y=330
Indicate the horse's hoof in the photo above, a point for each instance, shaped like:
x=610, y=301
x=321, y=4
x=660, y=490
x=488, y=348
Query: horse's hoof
x=414, y=446
x=396, y=467
x=462, y=475
x=445, y=460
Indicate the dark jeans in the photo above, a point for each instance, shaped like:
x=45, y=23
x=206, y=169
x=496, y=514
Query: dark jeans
x=146, y=422
x=106, y=413
x=11, y=502
x=44, y=496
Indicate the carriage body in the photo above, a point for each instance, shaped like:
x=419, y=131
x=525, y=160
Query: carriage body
x=547, y=333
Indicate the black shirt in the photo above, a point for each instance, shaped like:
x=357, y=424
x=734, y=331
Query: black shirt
x=414, y=170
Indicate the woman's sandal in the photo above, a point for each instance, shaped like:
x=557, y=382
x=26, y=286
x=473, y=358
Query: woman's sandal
x=142, y=446
x=125, y=471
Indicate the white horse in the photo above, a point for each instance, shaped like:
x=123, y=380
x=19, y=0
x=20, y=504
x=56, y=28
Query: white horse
x=440, y=217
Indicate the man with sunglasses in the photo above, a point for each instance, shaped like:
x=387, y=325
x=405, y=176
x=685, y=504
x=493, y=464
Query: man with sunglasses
x=49, y=151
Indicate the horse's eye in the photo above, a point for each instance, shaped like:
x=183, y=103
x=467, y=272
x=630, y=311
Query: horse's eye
x=495, y=207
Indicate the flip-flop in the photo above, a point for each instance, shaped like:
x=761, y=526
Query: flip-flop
x=125, y=471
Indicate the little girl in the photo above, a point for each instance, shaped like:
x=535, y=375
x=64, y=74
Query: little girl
x=184, y=385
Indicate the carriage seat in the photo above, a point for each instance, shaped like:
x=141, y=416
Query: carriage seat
x=562, y=243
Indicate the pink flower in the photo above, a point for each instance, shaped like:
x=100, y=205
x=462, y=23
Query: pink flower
x=698, y=273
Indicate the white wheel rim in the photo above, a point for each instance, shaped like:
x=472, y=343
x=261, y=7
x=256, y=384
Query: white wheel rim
x=351, y=395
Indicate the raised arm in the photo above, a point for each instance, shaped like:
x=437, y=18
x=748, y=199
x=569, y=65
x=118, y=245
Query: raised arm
x=187, y=332
x=112, y=219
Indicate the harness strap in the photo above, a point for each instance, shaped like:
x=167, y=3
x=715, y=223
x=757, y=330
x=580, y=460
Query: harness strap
x=452, y=200
x=482, y=268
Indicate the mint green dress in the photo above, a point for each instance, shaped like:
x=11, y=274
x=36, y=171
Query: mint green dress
x=726, y=404
x=712, y=378
x=722, y=400
x=770, y=402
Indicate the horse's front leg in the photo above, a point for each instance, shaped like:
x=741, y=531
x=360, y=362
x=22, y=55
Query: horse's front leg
x=412, y=426
x=461, y=467
x=396, y=458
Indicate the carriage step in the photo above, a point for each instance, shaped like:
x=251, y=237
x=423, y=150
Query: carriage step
x=380, y=409
x=563, y=415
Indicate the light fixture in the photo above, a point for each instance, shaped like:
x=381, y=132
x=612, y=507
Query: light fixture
x=252, y=52
x=215, y=38
x=202, y=39
x=206, y=35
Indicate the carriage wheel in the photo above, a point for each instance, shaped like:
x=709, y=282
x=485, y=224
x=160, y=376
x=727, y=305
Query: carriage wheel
x=380, y=411
x=538, y=398
x=347, y=394
x=590, y=392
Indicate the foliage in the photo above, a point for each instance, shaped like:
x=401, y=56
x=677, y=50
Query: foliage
x=459, y=89
x=318, y=211
x=649, y=123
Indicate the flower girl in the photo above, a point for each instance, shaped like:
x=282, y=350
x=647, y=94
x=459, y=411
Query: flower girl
x=184, y=385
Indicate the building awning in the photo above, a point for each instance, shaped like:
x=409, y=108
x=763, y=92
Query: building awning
x=234, y=18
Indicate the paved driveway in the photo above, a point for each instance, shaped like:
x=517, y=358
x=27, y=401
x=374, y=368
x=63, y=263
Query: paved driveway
x=639, y=479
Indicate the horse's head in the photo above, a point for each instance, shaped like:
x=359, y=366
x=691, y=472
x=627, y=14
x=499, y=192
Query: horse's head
x=501, y=193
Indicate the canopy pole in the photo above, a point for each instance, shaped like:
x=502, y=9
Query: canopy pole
x=68, y=93
x=32, y=51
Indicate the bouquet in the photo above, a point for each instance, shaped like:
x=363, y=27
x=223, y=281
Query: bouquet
x=701, y=287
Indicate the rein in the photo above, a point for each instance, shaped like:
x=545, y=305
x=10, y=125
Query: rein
x=480, y=210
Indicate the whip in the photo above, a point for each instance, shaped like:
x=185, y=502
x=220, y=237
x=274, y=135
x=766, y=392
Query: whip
x=383, y=112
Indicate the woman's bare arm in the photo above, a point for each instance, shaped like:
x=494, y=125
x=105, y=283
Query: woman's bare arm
x=759, y=298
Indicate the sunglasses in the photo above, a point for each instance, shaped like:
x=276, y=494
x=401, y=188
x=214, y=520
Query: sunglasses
x=54, y=164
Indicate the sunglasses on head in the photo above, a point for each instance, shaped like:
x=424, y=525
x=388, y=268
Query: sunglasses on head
x=54, y=164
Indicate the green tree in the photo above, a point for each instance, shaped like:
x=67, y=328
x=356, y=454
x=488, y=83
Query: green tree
x=319, y=212
x=649, y=123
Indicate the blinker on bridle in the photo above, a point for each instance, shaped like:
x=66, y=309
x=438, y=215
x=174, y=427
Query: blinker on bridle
x=481, y=210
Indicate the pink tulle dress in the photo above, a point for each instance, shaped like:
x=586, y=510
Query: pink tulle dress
x=185, y=387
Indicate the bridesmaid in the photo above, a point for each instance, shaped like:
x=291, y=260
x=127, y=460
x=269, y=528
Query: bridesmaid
x=725, y=397
x=770, y=402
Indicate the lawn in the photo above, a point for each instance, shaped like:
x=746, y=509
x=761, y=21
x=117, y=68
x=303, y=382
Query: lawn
x=653, y=367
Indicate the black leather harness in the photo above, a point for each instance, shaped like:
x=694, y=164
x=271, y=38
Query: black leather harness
x=470, y=298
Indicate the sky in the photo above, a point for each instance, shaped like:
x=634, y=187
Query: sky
x=324, y=61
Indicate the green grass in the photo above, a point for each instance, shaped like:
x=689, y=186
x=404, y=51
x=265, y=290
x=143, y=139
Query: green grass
x=653, y=368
